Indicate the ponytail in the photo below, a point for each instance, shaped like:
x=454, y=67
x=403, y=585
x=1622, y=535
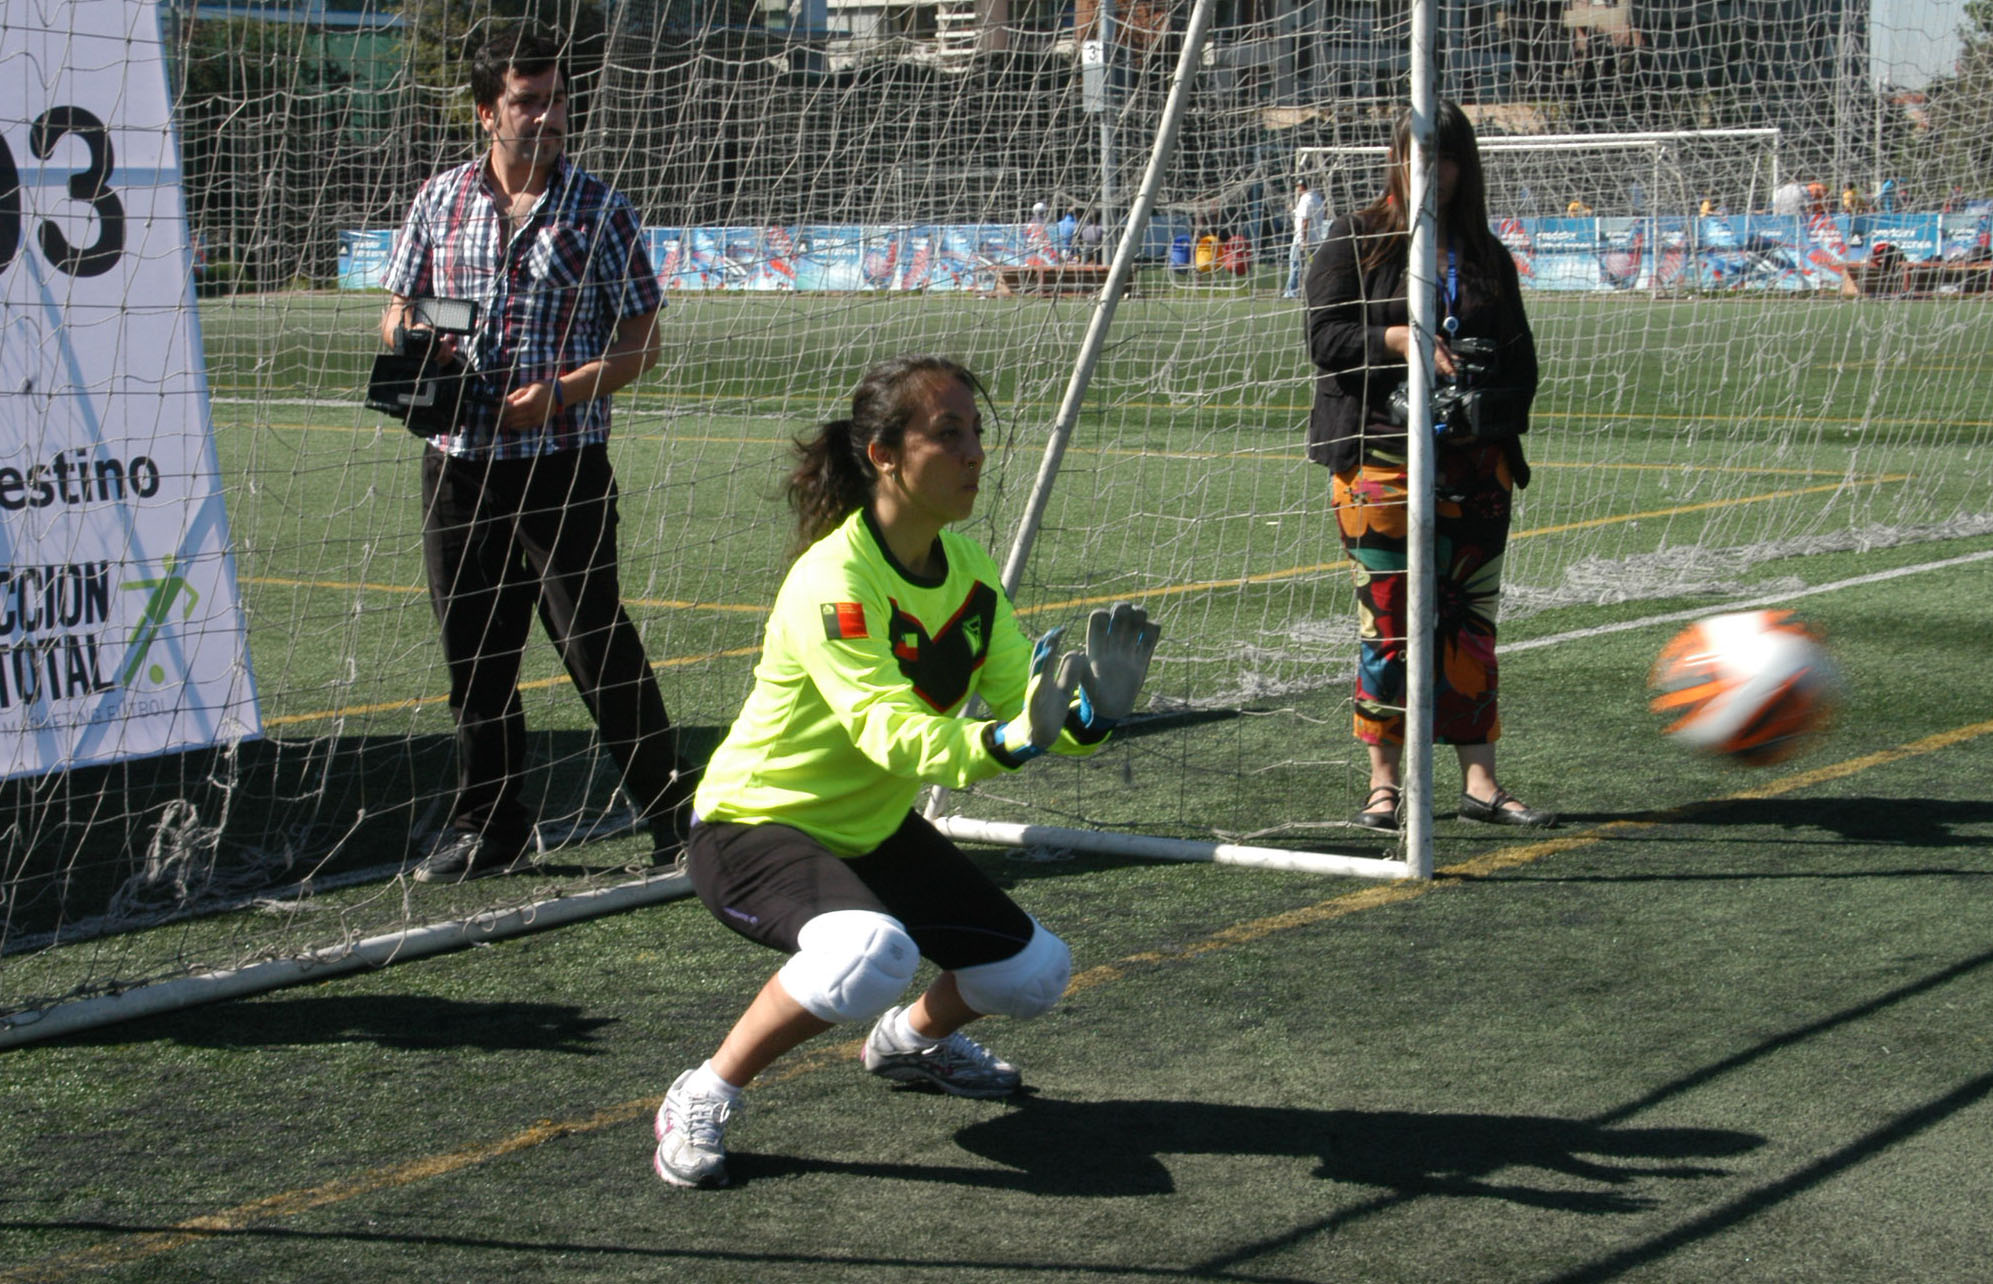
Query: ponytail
x=832, y=476
x=833, y=472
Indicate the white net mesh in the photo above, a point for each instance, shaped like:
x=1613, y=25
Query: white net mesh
x=827, y=186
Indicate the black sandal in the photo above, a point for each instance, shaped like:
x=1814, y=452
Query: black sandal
x=1371, y=819
x=1496, y=811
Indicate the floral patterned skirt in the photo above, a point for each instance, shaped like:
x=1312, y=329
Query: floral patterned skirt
x=1471, y=529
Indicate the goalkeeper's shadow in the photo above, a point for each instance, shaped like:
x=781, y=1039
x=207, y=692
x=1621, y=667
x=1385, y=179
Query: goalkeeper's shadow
x=1121, y=1149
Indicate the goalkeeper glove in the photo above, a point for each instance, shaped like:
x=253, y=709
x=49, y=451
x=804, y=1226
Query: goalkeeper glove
x=1119, y=645
x=1046, y=700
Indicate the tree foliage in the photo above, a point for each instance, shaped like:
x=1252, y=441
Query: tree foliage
x=1959, y=147
x=254, y=103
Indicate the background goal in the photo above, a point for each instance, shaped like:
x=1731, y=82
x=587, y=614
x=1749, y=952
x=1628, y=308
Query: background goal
x=1666, y=172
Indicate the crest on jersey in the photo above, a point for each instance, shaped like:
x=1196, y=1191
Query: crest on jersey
x=942, y=667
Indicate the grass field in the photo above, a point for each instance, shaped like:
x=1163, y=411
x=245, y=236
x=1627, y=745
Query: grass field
x=1721, y=1025
x=1790, y=426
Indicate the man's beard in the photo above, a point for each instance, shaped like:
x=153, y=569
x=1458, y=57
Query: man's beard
x=539, y=151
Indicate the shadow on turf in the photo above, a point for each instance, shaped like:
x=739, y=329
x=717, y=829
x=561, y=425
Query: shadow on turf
x=263, y=814
x=1155, y=724
x=1901, y=822
x=390, y=1020
x=1063, y=1149
x=1905, y=822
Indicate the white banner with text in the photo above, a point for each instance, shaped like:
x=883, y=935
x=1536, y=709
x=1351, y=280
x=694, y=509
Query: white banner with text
x=121, y=631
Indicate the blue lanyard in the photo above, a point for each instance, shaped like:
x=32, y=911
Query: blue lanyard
x=1451, y=299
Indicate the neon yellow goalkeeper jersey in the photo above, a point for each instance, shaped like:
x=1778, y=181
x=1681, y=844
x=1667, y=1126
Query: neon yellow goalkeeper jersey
x=858, y=694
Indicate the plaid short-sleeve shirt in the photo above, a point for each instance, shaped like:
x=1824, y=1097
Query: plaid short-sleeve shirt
x=549, y=294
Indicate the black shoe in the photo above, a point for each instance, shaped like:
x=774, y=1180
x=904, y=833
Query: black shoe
x=1496, y=811
x=1371, y=819
x=457, y=855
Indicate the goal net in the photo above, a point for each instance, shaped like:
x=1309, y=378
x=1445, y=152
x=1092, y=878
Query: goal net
x=1664, y=211
x=824, y=185
x=1665, y=173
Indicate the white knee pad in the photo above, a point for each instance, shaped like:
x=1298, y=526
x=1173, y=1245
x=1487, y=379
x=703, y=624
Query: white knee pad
x=850, y=965
x=1024, y=985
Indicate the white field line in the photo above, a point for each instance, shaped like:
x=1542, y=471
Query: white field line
x=1700, y=612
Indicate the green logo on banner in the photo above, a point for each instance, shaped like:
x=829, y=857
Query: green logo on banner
x=158, y=607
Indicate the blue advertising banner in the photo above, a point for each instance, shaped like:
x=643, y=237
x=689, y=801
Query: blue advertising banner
x=1700, y=252
x=1710, y=252
x=363, y=258
x=840, y=257
x=830, y=258
x=1967, y=237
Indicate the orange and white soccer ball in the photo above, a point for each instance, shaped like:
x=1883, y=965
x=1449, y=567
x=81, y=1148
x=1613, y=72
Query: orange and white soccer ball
x=1751, y=687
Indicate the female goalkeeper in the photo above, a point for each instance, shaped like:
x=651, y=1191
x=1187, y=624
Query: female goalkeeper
x=805, y=839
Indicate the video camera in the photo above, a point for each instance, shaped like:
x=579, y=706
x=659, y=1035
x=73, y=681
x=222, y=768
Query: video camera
x=416, y=383
x=1465, y=407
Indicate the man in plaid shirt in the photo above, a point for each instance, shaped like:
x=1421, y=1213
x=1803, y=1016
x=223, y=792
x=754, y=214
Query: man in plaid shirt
x=518, y=499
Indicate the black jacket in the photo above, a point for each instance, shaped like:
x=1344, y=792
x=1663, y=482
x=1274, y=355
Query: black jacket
x=1347, y=314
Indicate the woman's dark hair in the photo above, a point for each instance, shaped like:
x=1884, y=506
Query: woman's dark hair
x=1386, y=224
x=833, y=473
x=522, y=46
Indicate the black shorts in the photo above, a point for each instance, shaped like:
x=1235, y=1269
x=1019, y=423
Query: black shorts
x=766, y=881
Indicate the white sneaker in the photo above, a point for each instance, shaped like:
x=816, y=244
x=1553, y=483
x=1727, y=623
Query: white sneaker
x=956, y=1064
x=691, y=1136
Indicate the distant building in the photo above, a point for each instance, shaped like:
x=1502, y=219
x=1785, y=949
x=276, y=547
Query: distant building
x=1297, y=52
x=945, y=32
x=370, y=14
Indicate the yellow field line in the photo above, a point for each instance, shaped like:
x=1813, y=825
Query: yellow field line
x=1318, y=568
x=1262, y=577
x=538, y=684
x=730, y=653
x=1679, y=509
x=1285, y=454
x=670, y=603
x=294, y=1202
x=1094, y=410
x=1069, y=604
x=365, y=586
x=1545, y=416
x=1494, y=862
x=1560, y=416
x=1621, y=467
x=685, y=661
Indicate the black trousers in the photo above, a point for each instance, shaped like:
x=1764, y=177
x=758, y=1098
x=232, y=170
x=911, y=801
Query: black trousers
x=505, y=539
x=766, y=881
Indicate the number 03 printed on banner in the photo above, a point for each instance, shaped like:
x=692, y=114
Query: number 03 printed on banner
x=121, y=630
